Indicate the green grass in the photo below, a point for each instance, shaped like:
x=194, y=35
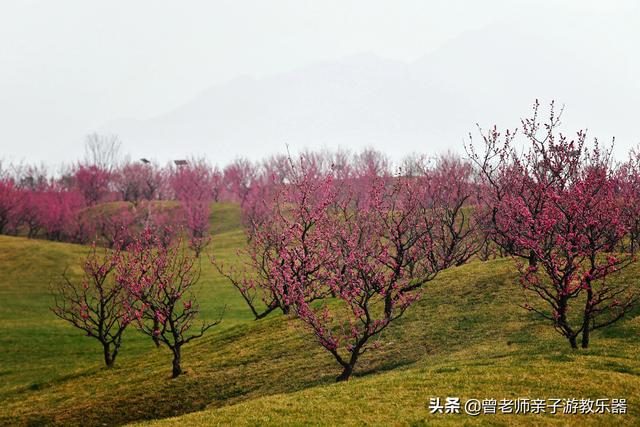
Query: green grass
x=466, y=337
x=36, y=348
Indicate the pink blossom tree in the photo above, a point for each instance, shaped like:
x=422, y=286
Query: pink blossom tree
x=500, y=174
x=382, y=254
x=453, y=195
x=114, y=224
x=159, y=280
x=238, y=177
x=283, y=242
x=29, y=216
x=323, y=241
x=216, y=182
x=56, y=210
x=9, y=203
x=92, y=182
x=96, y=303
x=137, y=181
x=159, y=221
x=196, y=213
x=573, y=238
x=32, y=181
x=628, y=179
x=558, y=203
x=194, y=187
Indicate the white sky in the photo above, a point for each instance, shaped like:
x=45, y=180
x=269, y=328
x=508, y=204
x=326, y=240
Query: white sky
x=67, y=67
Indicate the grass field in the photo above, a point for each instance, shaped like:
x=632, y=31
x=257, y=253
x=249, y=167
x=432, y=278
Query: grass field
x=466, y=337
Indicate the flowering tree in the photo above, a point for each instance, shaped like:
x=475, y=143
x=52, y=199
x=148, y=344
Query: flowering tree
x=114, y=223
x=558, y=203
x=628, y=180
x=9, y=203
x=137, y=181
x=453, y=196
x=322, y=241
x=500, y=173
x=196, y=213
x=194, y=186
x=29, y=212
x=283, y=242
x=572, y=239
x=31, y=181
x=381, y=254
x=371, y=163
x=159, y=280
x=238, y=178
x=276, y=169
x=217, y=184
x=158, y=221
x=371, y=243
x=96, y=303
x=92, y=182
x=56, y=210
x=367, y=167
x=80, y=230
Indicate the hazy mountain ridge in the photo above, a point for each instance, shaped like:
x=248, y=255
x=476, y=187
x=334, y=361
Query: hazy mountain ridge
x=428, y=105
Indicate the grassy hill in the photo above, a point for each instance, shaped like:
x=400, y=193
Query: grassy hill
x=36, y=347
x=466, y=337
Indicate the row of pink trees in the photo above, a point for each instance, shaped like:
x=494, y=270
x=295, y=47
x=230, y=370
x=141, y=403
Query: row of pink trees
x=84, y=203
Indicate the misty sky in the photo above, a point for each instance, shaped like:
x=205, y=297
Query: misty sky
x=69, y=67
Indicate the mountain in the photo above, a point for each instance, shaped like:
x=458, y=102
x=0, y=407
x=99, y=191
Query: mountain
x=491, y=75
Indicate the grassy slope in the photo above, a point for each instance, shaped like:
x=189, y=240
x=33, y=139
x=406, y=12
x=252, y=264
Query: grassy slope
x=465, y=338
x=37, y=348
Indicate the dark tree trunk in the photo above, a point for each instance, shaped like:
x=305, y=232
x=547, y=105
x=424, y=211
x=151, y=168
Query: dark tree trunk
x=177, y=369
x=388, y=306
x=586, y=320
x=585, y=337
x=116, y=349
x=108, y=358
x=533, y=259
x=346, y=373
x=348, y=367
x=563, y=324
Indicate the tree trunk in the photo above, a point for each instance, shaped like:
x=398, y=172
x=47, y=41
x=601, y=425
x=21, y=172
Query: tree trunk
x=388, y=306
x=586, y=320
x=573, y=342
x=177, y=369
x=108, y=360
x=346, y=373
x=348, y=367
x=585, y=337
x=533, y=259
